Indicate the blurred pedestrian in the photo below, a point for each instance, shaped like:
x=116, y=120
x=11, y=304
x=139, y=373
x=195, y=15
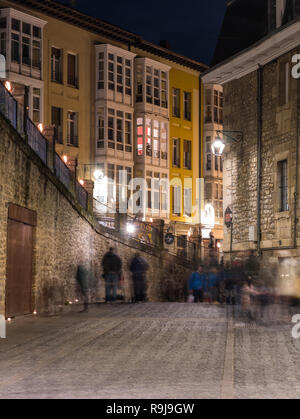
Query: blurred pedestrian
x=139, y=267
x=197, y=284
x=82, y=278
x=212, y=284
x=112, y=270
x=248, y=293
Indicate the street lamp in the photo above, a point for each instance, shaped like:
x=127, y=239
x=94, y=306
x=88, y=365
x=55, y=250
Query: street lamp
x=219, y=144
x=130, y=228
x=218, y=147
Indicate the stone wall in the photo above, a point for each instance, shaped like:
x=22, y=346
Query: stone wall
x=66, y=235
x=279, y=135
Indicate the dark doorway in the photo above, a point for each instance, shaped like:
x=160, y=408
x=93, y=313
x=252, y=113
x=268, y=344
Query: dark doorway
x=21, y=223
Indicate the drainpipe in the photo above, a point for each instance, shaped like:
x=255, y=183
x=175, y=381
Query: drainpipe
x=259, y=159
x=297, y=164
x=201, y=152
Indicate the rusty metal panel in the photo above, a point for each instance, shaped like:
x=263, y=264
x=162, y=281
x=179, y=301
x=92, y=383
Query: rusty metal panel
x=23, y=215
x=19, y=269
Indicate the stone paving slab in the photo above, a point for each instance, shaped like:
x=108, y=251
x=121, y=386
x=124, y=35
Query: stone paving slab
x=144, y=351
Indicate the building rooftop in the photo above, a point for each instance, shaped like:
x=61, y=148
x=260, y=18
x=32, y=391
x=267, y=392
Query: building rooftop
x=98, y=26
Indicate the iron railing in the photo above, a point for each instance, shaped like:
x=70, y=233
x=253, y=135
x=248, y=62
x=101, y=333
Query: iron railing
x=81, y=195
x=62, y=171
x=37, y=141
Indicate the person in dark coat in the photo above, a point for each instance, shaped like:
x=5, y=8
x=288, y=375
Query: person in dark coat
x=112, y=267
x=82, y=278
x=138, y=268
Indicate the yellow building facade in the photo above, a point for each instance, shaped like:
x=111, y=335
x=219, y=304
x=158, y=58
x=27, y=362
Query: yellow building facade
x=185, y=146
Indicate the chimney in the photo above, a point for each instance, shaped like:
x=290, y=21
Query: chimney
x=165, y=44
x=72, y=3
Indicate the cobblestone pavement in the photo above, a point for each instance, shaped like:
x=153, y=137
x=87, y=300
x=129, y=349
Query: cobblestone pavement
x=147, y=351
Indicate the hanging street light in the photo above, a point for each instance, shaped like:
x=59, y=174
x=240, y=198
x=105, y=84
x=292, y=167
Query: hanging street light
x=218, y=146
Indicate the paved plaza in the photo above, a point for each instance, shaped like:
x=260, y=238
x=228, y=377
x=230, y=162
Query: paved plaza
x=172, y=351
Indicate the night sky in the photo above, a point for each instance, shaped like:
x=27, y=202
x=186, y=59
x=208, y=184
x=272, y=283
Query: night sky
x=191, y=26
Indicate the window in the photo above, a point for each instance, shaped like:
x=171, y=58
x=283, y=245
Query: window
x=25, y=43
x=187, y=106
x=115, y=73
x=111, y=186
x=111, y=72
x=120, y=132
x=176, y=102
x=128, y=78
x=37, y=32
x=156, y=192
x=208, y=192
x=3, y=36
x=151, y=85
x=15, y=41
x=2, y=23
x=164, y=141
x=15, y=48
x=120, y=79
x=176, y=200
x=111, y=128
x=148, y=137
x=164, y=90
x=208, y=106
x=128, y=133
x=283, y=185
x=56, y=65
x=26, y=50
x=284, y=83
x=73, y=70
x=156, y=88
x=139, y=84
x=36, y=98
x=36, y=54
x=187, y=153
x=149, y=97
x=216, y=163
x=101, y=71
x=72, y=122
x=208, y=154
x=100, y=129
x=218, y=107
x=149, y=176
x=216, y=191
x=15, y=25
x=188, y=202
x=156, y=149
x=3, y=43
x=140, y=137
x=176, y=152
x=155, y=134
x=208, y=162
x=56, y=121
x=164, y=192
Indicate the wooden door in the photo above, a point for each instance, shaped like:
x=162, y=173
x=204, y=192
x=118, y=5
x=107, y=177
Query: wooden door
x=19, y=264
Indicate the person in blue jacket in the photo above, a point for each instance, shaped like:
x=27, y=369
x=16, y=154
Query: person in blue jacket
x=197, y=284
x=212, y=284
